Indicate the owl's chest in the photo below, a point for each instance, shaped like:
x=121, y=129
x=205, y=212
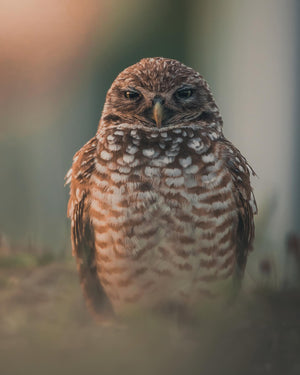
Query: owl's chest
x=136, y=160
x=149, y=186
x=151, y=173
x=157, y=206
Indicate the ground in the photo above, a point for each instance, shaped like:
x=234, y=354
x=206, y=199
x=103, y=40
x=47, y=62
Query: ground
x=46, y=329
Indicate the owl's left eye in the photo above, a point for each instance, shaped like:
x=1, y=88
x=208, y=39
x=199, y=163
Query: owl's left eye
x=184, y=93
x=132, y=94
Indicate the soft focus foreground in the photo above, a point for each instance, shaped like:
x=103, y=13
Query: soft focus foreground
x=45, y=328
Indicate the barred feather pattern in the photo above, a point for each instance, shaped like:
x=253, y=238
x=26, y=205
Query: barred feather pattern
x=168, y=213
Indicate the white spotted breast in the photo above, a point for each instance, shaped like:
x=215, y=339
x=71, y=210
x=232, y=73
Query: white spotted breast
x=163, y=213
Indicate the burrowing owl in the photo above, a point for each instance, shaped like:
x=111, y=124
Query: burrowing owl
x=161, y=204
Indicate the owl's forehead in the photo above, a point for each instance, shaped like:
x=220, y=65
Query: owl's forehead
x=158, y=74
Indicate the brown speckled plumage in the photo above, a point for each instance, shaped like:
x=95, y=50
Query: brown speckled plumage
x=161, y=211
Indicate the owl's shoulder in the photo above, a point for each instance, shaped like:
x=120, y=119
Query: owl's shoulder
x=241, y=173
x=240, y=170
x=83, y=163
x=79, y=174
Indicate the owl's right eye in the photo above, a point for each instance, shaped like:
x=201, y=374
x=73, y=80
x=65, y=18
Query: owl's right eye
x=132, y=94
x=184, y=93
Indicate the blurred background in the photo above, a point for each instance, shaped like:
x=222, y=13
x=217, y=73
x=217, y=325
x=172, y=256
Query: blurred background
x=59, y=58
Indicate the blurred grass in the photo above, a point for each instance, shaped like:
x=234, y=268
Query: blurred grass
x=46, y=329
x=26, y=260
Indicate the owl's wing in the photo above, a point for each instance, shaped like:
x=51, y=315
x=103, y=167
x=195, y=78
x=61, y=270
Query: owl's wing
x=82, y=234
x=240, y=172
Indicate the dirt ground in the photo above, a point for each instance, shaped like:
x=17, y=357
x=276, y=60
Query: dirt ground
x=46, y=329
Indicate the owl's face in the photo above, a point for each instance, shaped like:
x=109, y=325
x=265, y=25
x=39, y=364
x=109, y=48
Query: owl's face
x=159, y=92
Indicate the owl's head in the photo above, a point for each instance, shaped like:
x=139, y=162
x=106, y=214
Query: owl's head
x=159, y=92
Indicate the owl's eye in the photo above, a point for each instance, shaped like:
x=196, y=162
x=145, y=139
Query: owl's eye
x=184, y=93
x=131, y=94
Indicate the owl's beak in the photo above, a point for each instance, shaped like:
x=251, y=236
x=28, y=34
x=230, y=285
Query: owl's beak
x=158, y=113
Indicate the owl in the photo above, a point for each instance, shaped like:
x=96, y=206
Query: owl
x=161, y=204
